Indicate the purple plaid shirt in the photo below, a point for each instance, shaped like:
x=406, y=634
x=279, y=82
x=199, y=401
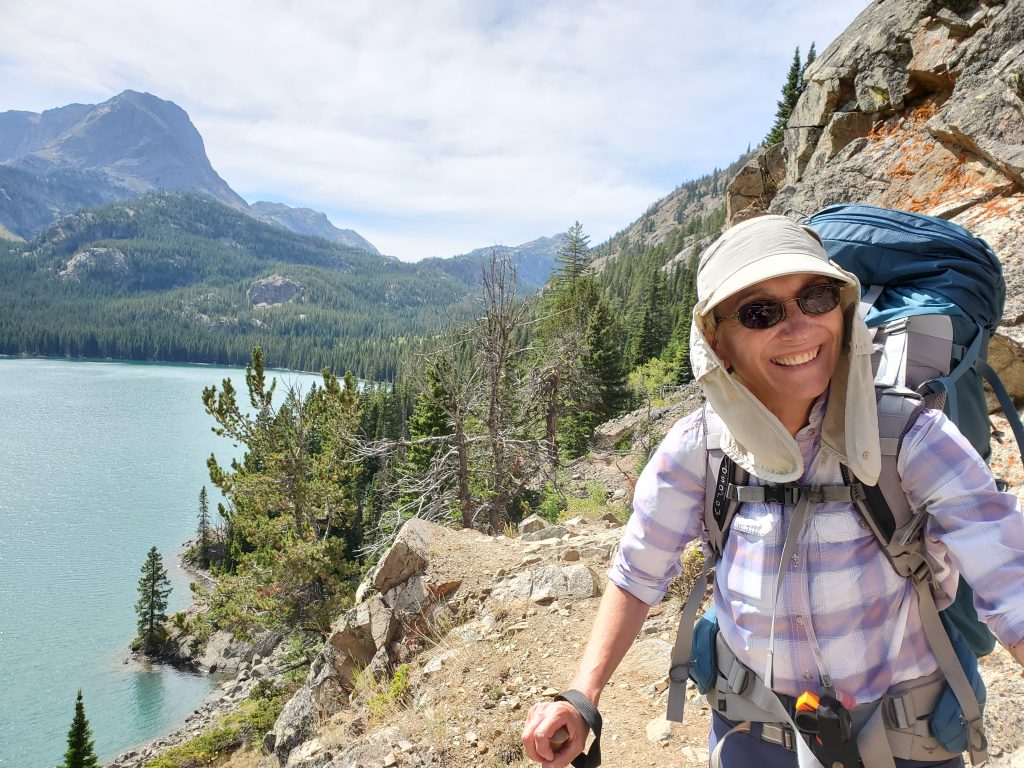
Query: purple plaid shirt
x=842, y=609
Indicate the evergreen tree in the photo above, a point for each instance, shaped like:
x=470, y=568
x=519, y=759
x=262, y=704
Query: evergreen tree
x=430, y=416
x=648, y=322
x=154, y=587
x=790, y=94
x=604, y=359
x=80, y=752
x=203, y=530
x=812, y=54
x=573, y=257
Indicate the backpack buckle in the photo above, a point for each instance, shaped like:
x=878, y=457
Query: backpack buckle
x=680, y=673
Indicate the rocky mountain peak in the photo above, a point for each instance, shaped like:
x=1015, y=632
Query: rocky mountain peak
x=306, y=221
x=139, y=142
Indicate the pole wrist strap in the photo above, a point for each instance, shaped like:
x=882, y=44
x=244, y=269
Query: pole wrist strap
x=592, y=718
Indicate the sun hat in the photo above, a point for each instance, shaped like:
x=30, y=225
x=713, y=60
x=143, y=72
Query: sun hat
x=751, y=252
x=757, y=250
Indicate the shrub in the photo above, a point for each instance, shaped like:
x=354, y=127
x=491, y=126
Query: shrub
x=391, y=696
x=246, y=727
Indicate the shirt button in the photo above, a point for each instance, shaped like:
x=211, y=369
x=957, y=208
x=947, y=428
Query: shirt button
x=796, y=559
x=808, y=676
x=800, y=620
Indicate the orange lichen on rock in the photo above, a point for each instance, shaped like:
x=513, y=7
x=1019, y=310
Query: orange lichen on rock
x=948, y=184
x=996, y=208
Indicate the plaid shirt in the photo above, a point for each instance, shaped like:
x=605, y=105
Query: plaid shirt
x=842, y=609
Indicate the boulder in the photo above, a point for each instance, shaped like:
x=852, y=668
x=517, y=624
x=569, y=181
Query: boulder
x=295, y=724
x=531, y=524
x=275, y=289
x=542, y=534
x=352, y=641
x=409, y=554
x=547, y=584
x=409, y=598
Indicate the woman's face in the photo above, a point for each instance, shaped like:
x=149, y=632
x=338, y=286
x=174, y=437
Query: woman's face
x=790, y=364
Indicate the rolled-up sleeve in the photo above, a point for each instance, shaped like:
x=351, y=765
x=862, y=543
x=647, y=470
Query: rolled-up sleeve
x=668, y=509
x=979, y=528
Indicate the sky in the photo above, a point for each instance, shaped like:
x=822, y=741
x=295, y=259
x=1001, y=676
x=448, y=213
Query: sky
x=433, y=127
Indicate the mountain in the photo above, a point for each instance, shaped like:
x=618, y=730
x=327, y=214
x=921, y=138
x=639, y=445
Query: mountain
x=85, y=155
x=137, y=142
x=306, y=221
x=534, y=261
x=181, y=277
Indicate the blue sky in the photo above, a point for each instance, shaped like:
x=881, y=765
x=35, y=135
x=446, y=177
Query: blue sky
x=438, y=126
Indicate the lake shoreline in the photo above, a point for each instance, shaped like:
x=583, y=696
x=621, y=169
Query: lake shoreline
x=116, y=452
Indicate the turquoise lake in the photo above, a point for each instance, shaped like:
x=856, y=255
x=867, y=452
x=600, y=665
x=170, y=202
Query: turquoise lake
x=99, y=461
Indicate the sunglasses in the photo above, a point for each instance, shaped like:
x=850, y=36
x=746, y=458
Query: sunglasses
x=764, y=313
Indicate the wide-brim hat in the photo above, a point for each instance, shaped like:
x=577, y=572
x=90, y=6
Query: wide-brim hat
x=757, y=250
x=751, y=252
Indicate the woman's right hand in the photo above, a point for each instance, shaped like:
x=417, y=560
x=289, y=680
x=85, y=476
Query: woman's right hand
x=542, y=724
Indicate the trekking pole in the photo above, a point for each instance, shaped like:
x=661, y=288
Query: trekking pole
x=560, y=738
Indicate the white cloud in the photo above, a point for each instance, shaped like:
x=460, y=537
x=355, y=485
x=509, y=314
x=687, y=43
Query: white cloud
x=436, y=127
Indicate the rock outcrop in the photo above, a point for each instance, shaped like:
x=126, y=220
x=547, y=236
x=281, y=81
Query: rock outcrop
x=434, y=587
x=111, y=263
x=918, y=105
x=275, y=289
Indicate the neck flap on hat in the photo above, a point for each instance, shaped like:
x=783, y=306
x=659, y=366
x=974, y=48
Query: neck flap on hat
x=756, y=439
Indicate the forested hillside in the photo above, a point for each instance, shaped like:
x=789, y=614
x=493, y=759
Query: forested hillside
x=179, y=277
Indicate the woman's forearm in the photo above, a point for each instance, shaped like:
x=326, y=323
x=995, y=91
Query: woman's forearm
x=619, y=620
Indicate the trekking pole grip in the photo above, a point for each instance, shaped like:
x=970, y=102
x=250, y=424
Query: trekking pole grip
x=592, y=718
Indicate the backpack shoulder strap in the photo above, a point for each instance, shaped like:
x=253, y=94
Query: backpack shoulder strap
x=884, y=506
x=900, y=532
x=722, y=476
x=719, y=509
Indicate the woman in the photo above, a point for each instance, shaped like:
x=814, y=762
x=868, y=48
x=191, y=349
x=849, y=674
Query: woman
x=784, y=362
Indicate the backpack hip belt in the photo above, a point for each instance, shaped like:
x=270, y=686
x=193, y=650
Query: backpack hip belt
x=739, y=696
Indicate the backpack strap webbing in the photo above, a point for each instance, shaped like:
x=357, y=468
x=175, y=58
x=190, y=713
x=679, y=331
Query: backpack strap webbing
x=1005, y=402
x=900, y=533
x=719, y=509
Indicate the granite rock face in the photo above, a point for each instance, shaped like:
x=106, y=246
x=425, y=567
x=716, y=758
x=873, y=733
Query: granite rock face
x=918, y=105
x=275, y=289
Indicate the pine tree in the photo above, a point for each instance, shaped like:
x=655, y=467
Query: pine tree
x=430, y=416
x=154, y=587
x=203, y=530
x=573, y=257
x=790, y=94
x=812, y=54
x=80, y=752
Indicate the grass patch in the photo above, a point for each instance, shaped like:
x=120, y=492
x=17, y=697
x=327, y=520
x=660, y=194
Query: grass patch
x=244, y=728
x=390, y=696
x=592, y=506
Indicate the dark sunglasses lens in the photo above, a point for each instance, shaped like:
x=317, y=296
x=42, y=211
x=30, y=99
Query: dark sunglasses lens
x=819, y=299
x=761, y=314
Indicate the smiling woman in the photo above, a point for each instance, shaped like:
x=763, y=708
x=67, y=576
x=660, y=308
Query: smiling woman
x=809, y=609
